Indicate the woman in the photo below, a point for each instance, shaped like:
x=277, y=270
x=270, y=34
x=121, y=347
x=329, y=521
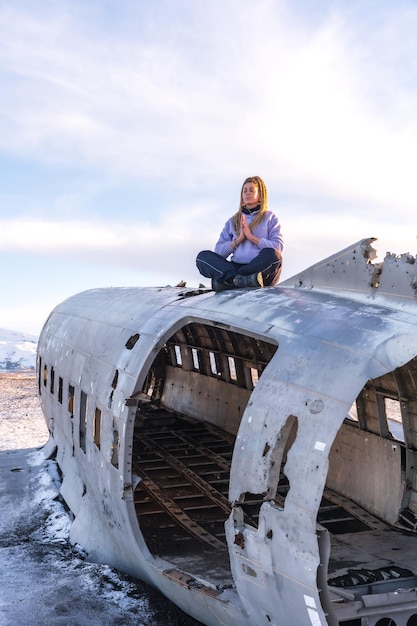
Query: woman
x=253, y=237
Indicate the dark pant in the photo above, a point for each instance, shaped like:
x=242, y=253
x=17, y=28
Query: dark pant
x=268, y=261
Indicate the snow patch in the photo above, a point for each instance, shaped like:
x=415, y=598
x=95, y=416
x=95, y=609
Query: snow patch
x=17, y=351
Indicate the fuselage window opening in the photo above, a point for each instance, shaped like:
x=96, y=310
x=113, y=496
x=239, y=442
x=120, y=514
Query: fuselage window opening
x=394, y=418
x=232, y=368
x=219, y=359
x=178, y=357
x=71, y=400
x=352, y=414
x=60, y=389
x=196, y=360
x=213, y=363
x=254, y=376
x=83, y=420
x=52, y=381
x=39, y=376
x=45, y=375
x=97, y=427
x=115, y=447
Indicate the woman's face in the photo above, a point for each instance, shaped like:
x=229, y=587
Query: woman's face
x=250, y=195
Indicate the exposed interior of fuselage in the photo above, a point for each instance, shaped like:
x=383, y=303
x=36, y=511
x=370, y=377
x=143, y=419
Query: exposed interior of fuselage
x=189, y=411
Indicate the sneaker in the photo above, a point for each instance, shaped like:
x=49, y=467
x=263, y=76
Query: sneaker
x=243, y=282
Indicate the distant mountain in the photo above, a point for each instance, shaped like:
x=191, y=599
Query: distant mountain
x=17, y=351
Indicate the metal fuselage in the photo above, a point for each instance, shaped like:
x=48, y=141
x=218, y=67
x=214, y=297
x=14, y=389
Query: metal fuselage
x=250, y=453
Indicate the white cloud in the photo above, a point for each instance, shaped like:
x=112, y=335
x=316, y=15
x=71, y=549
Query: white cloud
x=170, y=243
x=160, y=242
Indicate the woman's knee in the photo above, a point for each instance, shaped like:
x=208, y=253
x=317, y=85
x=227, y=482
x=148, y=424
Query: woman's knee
x=203, y=258
x=203, y=254
x=206, y=263
x=270, y=255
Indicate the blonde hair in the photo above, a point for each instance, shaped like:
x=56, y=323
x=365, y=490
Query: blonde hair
x=263, y=201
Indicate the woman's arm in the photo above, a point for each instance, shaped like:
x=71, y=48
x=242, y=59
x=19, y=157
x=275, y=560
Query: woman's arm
x=225, y=245
x=269, y=233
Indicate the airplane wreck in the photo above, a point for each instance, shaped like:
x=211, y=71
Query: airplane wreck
x=252, y=454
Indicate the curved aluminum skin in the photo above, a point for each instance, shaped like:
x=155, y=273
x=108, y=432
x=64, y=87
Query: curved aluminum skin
x=298, y=381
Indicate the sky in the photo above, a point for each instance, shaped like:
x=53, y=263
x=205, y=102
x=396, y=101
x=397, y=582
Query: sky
x=127, y=129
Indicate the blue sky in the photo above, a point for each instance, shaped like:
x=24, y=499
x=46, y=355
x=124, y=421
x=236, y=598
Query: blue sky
x=128, y=127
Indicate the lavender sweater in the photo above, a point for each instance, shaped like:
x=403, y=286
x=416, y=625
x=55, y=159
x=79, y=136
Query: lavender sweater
x=268, y=232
